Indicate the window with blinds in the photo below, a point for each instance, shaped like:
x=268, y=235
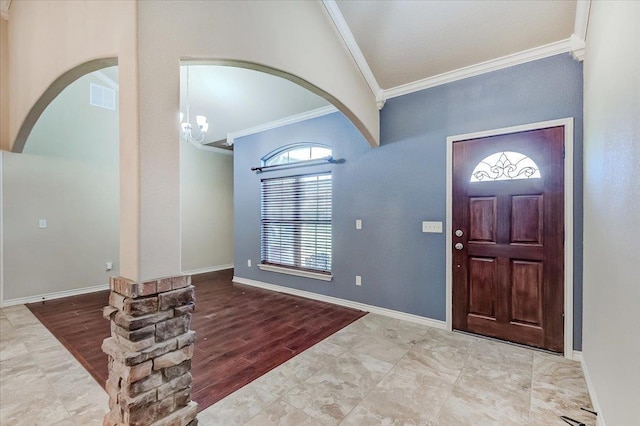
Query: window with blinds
x=296, y=222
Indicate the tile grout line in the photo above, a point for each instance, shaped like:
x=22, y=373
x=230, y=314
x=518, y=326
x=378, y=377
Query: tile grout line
x=531, y=388
x=46, y=377
x=33, y=360
x=471, y=347
x=412, y=345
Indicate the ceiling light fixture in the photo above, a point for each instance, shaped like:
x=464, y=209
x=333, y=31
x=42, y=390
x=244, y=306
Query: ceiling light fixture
x=186, y=133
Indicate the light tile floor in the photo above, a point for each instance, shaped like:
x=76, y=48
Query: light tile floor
x=41, y=383
x=376, y=371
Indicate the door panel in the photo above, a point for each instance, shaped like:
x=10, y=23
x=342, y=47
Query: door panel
x=526, y=219
x=526, y=292
x=508, y=201
x=482, y=287
x=482, y=216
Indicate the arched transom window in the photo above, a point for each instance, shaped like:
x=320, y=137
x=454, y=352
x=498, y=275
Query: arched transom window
x=505, y=165
x=297, y=153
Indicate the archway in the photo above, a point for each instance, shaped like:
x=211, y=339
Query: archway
x=52, y=92
x=235, y=99
x=61, y=190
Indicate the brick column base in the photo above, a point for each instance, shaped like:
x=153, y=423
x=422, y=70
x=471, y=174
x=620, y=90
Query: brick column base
x=150, y=351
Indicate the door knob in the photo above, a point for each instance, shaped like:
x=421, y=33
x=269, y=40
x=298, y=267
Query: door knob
x=459, y=233
x=459, y=246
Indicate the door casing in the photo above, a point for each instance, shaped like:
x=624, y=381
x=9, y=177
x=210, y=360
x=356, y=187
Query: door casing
x=567, y=123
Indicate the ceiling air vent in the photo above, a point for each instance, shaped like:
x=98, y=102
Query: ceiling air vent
x=102, y=97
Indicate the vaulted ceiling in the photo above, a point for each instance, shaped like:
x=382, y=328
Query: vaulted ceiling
x=400, y=46
x=404, y=41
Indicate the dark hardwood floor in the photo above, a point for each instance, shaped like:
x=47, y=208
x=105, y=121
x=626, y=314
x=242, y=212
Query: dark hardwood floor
x=243, y=332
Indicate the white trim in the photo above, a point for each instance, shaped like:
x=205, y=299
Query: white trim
x=582, y=19
x=568, y=217
x=577, y=356
x=579, y=36
x=347, y=303
x=578, y=48
x=55, y=295
x=106, y=80
x=296, y=272
x=551, y=49
x=592, y=394
x=319, y=112
x=210, y=269
x=356, y=53
x=208, y=148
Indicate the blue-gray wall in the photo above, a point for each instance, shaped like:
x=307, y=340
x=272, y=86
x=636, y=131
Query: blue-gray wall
x=395, y=187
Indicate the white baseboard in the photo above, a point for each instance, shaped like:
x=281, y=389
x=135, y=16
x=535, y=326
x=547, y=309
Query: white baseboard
x=210, y=269
x=55, y=295
x=592, y=392
x=576, y=356
x=347, y=303
x=92, y=289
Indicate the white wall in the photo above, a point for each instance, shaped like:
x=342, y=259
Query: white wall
x=48, y=38
x=206, y=208
x=611, y=347
x=68, y=175
x=297, y=38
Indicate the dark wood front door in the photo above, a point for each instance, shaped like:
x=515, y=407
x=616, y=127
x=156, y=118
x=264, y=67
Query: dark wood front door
x=508, y=242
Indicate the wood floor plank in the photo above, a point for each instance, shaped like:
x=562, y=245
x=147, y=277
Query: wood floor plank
x=243, y=332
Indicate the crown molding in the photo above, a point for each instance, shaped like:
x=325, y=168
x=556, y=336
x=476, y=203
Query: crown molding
x=529, y=55
x=579, y=36
x=356, y=53
x=578, y=48
x=582, y=18
x=329, y=109
x=4, y=9
x=203, y=147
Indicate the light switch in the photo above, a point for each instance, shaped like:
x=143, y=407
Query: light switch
x=435, y=227
x=358, y=280
x=42, y=223
x=358, y=223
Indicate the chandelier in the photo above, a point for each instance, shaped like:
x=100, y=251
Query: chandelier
x=187, y=133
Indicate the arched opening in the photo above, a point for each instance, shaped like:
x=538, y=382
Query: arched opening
x=61, y=189
x=52, y=92
x=301, y=82
x=232, y=100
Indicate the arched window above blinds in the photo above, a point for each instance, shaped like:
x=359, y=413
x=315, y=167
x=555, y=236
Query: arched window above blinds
x=297, y=153
x=505, y=165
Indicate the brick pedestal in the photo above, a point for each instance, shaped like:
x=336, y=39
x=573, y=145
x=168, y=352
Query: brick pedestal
x=150, y=352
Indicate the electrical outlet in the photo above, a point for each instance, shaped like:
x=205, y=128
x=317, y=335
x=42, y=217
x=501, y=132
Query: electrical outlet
x=108, y=266
x=42, y=223
x=249, y=263
x=435, y=227
x=358, y=223
x=358, y=280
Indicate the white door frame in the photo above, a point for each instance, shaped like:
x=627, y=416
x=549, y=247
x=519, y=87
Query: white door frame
x=567, y=123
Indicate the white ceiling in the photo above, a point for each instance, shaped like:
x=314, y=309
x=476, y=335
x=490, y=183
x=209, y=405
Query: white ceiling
x=404, y=41
x=235, y=99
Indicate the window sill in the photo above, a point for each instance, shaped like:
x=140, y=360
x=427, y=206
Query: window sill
x=288, y=271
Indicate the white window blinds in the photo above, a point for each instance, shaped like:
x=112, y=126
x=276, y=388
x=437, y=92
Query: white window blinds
x=296, y=222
